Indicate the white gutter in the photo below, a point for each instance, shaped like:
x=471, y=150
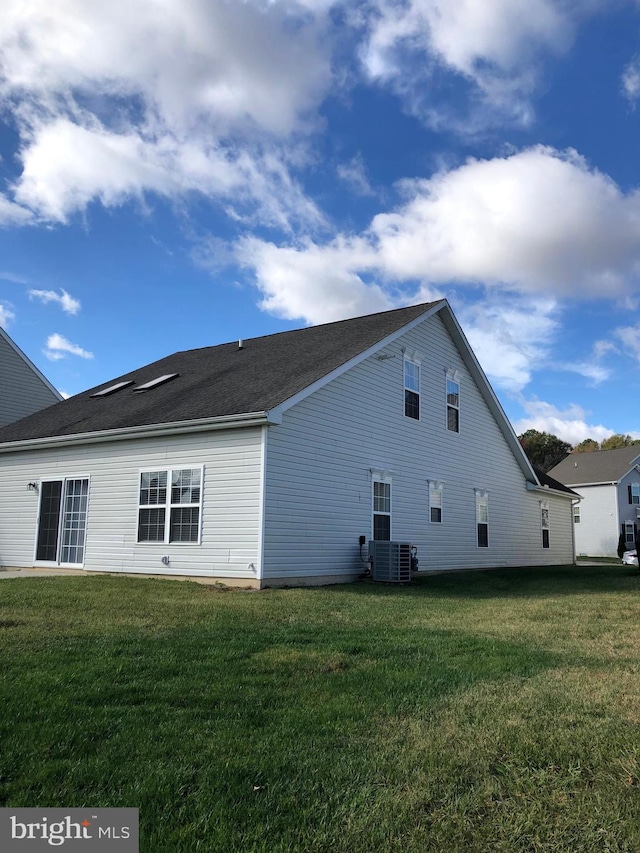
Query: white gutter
x=246, y=419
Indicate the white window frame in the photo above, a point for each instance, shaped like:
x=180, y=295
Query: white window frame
x=170, y=505
x=452, y=376
x=545, y=525
x=383, y=478
x=482, y=514
x=415, y=361
x=635, y=494
x=629, y=533
x=576, y=514
x=436, y=500
x=61, y=519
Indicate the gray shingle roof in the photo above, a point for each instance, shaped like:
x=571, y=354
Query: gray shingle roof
x=601, y=466
x=219, y=380
x=546, y=480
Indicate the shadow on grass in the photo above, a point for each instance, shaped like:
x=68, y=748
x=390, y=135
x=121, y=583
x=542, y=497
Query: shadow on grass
x=523, y=582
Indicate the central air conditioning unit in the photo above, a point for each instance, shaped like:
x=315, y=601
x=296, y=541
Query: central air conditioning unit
x=390, y=561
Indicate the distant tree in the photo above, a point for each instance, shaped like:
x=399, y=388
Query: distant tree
x=618, y=440
x=543, y=449
x=586, y=446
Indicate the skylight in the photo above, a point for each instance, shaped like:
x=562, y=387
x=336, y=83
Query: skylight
x=155, y=382
x=112, y=388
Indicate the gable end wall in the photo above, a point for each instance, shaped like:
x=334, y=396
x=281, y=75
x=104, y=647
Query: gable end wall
x=319, y=481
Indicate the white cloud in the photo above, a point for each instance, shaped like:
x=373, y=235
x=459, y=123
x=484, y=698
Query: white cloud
x=188, y=60
x=494, y=45
x=314, y=283
x=629, y=336
x=68, y=304
x=12, y=213
x=354, y=174
x=631, y=80
x=569, y=424
x=58, y=347
x=511, y=337
x=6, y=315
x=538, y=224
x=115, y=167
x=174, y=97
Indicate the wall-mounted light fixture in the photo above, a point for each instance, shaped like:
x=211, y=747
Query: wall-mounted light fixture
x=33, y=487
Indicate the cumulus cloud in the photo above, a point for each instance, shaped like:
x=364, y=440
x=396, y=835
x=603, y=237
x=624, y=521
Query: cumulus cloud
x=58, y=347
x=569, y=424
x=203, y=95
x=68, y=304
x=115, y=167
x=539, y=224
x=492, y=45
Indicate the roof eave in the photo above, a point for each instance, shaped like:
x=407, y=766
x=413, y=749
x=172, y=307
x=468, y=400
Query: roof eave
x=245, y=419
x=547, y=490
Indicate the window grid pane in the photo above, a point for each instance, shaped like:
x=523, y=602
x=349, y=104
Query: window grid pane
x=184, y=524
x=185, y=486
x=153, y=488
x=381, y=497
x=151, y=525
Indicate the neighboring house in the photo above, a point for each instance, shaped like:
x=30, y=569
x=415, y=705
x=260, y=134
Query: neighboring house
x=609, y=484
x=23, y=389
x=263, y=462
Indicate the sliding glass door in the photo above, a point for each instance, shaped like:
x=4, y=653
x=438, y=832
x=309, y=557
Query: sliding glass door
x=62, y=521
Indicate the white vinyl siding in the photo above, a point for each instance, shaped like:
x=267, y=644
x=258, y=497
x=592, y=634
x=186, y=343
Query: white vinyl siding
x=318, y=492
x=231, y=499
x=598, y=533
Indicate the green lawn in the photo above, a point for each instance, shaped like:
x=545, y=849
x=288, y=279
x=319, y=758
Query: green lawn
x=469, y=712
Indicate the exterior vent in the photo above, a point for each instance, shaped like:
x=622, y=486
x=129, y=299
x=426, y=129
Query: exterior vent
x=391, y=561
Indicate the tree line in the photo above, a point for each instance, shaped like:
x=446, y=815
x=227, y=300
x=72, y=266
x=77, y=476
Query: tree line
x=546, y=450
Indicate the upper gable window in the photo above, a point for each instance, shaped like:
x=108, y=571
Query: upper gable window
x=412, y=388
x=453, y=401
x=634, y=493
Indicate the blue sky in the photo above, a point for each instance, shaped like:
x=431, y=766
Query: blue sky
x=180, y=173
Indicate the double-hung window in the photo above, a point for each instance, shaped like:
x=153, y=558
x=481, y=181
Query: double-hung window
x=482, y=518
x=435, y=501
x=170, y=505
x=576, y=514
x=412, y=388
x=453, y=401
x=629, y=533
x=544, y=523
x=634, y=493
x=381, y=510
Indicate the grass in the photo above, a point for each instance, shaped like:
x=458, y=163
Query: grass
x=469, y=712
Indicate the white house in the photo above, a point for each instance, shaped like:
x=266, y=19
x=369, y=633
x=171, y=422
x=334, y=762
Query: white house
x=609, y=484
x=263, y=462
x=23, y=389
